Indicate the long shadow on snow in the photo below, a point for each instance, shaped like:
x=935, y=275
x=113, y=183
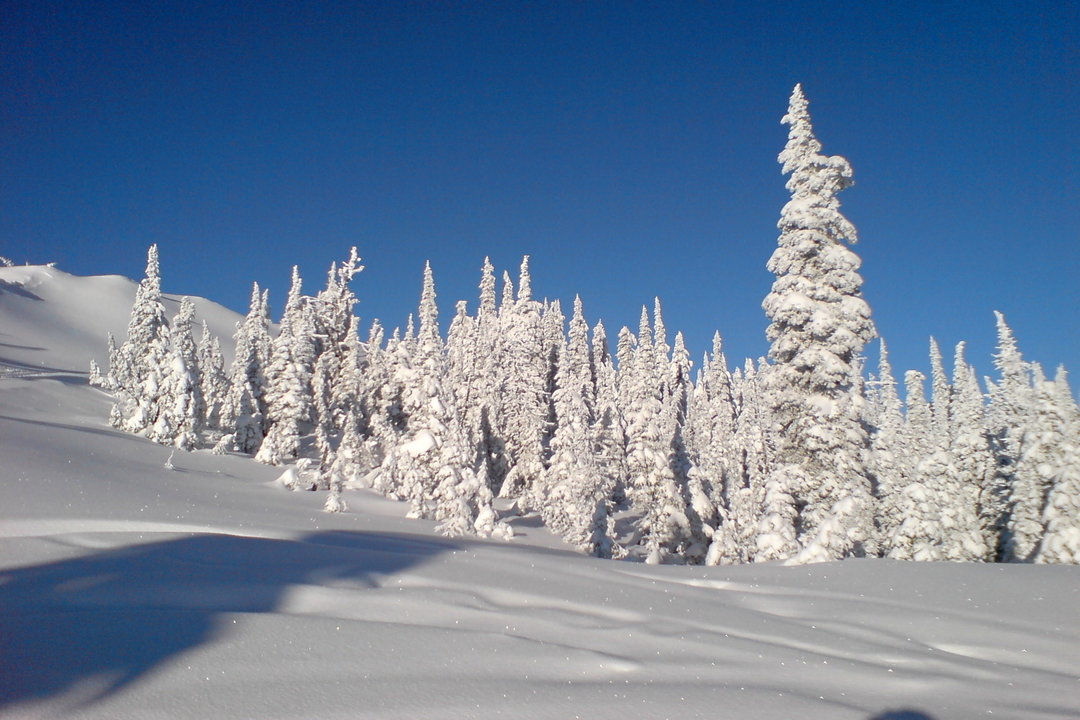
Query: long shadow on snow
x=14, y=288
x=93, y=430
x=113, y=616
x=24, y=371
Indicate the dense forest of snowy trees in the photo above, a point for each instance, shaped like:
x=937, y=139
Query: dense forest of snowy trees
x=800, y=457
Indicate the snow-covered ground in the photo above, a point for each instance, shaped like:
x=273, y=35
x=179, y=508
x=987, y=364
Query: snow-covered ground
x=129, y=590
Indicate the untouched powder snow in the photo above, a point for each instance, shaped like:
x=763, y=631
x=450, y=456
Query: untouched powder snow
x=128, y=590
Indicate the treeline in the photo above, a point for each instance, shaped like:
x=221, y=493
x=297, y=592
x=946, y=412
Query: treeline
x=631, y=453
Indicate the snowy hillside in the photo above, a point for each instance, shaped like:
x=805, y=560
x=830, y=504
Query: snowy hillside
x=70, y=317
x=128, y=589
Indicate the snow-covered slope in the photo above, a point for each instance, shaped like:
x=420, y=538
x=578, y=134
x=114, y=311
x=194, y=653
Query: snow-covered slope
x=70, y=317
x=128, y=590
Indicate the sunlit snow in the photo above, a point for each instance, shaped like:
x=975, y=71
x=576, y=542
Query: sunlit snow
x=208, y=590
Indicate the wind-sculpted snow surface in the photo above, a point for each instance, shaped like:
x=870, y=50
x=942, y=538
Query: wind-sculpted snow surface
x=131, y=590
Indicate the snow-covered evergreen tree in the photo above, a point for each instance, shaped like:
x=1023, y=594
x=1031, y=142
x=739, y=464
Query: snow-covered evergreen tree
x=95, y=378
x=527, y=401
x=758, y=524
x=326, y=425
x=653, y=487
x=889, y=457
x=971, y=452
x=244, y=410
x=214, y=382
x=432, y=465
x=573, y=493
x=819, y=325
x=1061, y=516
x=958, y=494
x=186, y=406
x=1020, y=487
x=484, y=409
x=143, y=361
x=710, y=439
x=1044, y=465
x=609, y=444
x=701, y=509
x=918, y=534
x=335, y=328
x=289, y=398
x=110, y=379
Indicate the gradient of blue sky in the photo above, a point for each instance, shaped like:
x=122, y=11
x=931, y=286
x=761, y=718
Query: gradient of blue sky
x=628, y=147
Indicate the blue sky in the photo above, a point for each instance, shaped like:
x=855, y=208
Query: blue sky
x=629, y=148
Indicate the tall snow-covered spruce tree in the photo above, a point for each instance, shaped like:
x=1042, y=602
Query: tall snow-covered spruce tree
x=819, y=326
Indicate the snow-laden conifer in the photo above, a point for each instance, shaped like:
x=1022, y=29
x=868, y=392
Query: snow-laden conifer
x=609, y=444
x=819, y=325
x=661, y=348
x=334, y=328
x=697, y=489
x=94, y=377
x=710, y=439
x=109, y=380
x=918, y=535
x=758, y=523
x=1060, y=542
x=710, y=425
x=376, y=396
x=1046, y=467
x=484, y=411
x=186, y=405
x=959, y=482
x=244, y=409
x=214, y=382
x=971, y=452
x=326, y=425
x=429, y=342
x=289, y=396
x=1020, y=483
x=143, y=362
x=654, y=490
x=526, y=406
x=346, y=394
x=889, y=458
x=432, y=465
x=572, y=489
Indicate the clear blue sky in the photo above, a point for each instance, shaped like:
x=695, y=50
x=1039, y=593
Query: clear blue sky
x=629, y=148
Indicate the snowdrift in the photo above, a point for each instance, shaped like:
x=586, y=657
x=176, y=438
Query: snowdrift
x=131, y=590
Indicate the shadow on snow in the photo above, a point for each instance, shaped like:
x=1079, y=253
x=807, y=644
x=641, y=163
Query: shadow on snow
x=109, y=618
